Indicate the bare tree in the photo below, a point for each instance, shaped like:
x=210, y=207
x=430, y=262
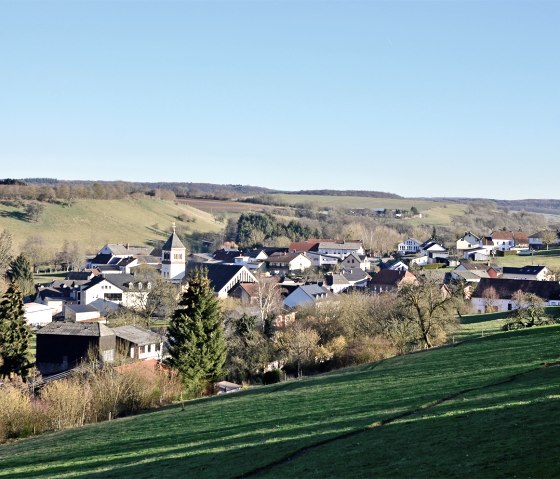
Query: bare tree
x=549, y=237
x=430, y=308
x=490, y=297
x=269, y=297
x=298, y=344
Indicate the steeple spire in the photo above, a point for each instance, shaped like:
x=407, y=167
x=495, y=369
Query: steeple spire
x=174, y=227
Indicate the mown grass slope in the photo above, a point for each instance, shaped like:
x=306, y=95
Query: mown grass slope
x=483, y=408
x=94, y=223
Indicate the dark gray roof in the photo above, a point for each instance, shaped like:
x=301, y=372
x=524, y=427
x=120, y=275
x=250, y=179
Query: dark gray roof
x=78, y=275
x=355, y=274
x=314, y=290
x=534, y=270
x=121, y=281
x=82, y=308
x=137, y=335
x=226, y=256
x=506, y=288
x=388, y=277
x=336, y=278
x=76, y=329
x=101, y=259
x=219, y=274
x=173, y=242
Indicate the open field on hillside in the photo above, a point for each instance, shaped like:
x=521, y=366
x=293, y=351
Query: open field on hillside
x=433, y=212
x=551, y=262
x=94, y=223
x=483, y=408
x=222, y=206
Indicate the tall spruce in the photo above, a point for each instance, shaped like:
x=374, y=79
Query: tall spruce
x=21, y=274
x=197, y=345
x=14, y=333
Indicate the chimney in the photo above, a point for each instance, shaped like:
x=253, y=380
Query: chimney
x=127, y=245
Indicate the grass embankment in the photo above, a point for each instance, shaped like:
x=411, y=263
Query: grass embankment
x=490, y=411
x=93, y=223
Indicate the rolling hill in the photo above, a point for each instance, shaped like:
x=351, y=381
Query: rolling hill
x=482, y=408
x=94, y=223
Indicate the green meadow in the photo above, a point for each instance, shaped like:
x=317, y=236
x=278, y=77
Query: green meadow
x=93, y=223
x=485, y=407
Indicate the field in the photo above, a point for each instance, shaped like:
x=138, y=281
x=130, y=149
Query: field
x=550, y=261
x=222, y=206
x=481, y=408
x=433, y=212
x=94, y=223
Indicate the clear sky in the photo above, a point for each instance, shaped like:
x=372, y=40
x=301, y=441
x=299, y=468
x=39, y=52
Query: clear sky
x=419, y=98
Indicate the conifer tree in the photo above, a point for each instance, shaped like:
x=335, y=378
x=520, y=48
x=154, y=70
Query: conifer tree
x=21, y=274
x=196, y=335
x=14, y=333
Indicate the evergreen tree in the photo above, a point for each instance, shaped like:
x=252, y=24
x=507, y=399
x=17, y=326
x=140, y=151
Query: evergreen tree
x=14, y=333
x=22, y=275
x=196, y=335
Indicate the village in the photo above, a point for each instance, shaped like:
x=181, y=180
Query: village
x=69, y=315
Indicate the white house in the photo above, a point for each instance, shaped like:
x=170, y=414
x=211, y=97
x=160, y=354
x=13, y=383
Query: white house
x=336, y=282
x=37, y=314
x=81, y=312
x=535, y=273
x=499, y=294
x=468, y=241
x=340, y=249
x=225, y=277
x=306, y=294
x=138, y=343
x=409, y=246
x=320, y=260
x=287, y=262
x=107, y=293
x=506, y=240
x=354, y=260
x=125, y=250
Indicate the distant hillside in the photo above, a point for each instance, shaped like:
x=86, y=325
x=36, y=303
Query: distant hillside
x=362, y=193
x=483, y=408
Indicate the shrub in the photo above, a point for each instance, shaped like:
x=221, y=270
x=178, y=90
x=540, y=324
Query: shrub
x=66, y=403
x=16, y=412
x=272, y=377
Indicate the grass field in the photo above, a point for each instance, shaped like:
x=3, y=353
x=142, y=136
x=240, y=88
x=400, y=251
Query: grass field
x=94, y=223
x=550, y=261
x=483, y=408
x=433, y=212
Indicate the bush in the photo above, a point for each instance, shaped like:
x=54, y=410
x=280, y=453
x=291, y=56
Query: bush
x=16, y=412
x=272, y=377
x=66, y=403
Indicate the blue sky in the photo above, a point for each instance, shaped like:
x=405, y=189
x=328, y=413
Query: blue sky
x=419, y=98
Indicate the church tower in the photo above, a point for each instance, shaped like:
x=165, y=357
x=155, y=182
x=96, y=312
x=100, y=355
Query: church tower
x=173, y=258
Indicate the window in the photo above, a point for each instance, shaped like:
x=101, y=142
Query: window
x=139, y=285
x=177, y=256
x=142, y=349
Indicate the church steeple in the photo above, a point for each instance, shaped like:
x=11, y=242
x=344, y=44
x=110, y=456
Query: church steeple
x=173, y=258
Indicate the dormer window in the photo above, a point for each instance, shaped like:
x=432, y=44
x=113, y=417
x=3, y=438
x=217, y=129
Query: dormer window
x=149, y=285
x=139, y=285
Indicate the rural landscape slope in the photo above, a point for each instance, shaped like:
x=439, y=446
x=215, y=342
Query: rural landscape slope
x=94, y=223
x=481, y=408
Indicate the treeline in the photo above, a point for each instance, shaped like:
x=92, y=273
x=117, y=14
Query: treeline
x=364, y=193
x=257, y=229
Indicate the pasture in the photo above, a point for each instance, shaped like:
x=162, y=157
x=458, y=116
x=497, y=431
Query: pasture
x=481, y=408
x=93, y=223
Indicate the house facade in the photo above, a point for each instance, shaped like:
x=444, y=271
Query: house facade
x=409, y=246
x=499, y=295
